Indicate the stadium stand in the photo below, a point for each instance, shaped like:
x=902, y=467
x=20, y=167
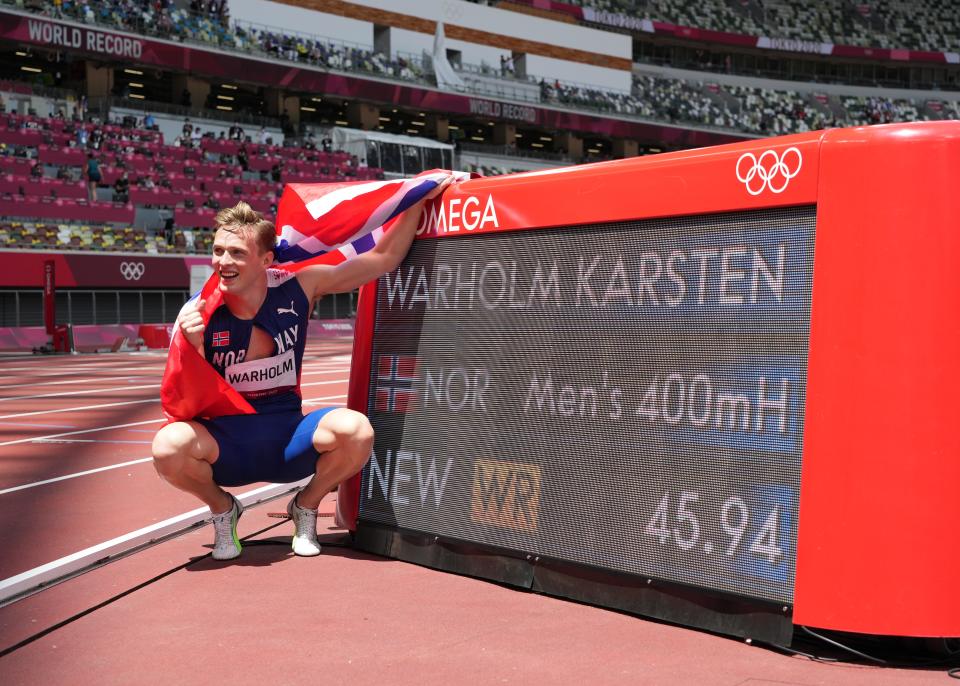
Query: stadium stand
x=664, y=100
x=160, y=189
x=916, y=25
x=43, y=196
x=42, y=162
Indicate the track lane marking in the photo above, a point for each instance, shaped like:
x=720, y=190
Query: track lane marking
x=32, y=580
x=40, y=439
x=74, y=475
x=61, y=383
x=65, y=393
x=78, y=409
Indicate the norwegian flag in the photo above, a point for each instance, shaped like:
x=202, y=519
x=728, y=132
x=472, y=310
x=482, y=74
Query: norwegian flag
x=320, y=223
x=221, y=338
x=396, y=375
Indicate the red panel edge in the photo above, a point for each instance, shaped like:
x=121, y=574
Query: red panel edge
x=879, y=514
x=722, y=178
x=348, y=493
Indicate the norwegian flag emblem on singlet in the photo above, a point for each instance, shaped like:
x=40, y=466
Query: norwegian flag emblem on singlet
x=221, y=338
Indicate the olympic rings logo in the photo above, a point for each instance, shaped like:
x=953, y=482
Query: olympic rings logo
x=132, y=271
x=770, y=170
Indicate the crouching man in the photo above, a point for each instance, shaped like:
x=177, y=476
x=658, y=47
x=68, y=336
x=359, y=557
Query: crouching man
x=256, y=340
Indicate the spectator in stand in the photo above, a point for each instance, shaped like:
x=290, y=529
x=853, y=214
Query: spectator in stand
x=185, y=99
x=93, y=176
x=262, y=136
x=82, y=137
x=121, y=189
x=149, y=122
x=212, y=202
x=242, y=159
x=276, y=172
x=36, y=171
x=195, y=137
x=146, y=182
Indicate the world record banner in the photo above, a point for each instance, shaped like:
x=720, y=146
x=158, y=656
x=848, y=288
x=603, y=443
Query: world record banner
x=625, y=396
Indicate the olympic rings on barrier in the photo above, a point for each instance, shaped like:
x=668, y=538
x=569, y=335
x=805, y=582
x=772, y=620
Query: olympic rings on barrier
x=767, y=168
x=132, y=271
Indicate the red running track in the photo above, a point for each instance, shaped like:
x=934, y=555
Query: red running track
x=75, y=471
x=65, y=417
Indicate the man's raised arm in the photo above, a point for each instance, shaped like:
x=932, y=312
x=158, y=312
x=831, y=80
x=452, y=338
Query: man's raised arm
x=388, y=253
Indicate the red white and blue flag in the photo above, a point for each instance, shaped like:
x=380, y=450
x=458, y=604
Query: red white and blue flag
x=396, y=375
x=317, y=223
x=221, y=339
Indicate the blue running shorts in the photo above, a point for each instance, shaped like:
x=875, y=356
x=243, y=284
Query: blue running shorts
x=275, y=447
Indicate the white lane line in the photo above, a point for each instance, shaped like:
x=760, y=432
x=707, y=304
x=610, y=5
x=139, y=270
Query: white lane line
x=324, y=383
x=44, y=426
x=90, y=440
x=53, y=371
x=32, y=580
x=61, y=383
x=96, y=390
x=317, y=401
x=77, y=409
x=326, y=371
x=81, y=431
x=74, y=475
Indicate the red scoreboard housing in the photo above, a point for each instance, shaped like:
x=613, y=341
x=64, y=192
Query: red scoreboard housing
x=877, y=514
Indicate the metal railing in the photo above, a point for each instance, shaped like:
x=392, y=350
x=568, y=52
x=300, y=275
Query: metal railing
x=102, y=106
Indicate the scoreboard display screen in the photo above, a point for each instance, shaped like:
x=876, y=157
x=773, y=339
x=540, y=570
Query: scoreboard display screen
x=628, y=396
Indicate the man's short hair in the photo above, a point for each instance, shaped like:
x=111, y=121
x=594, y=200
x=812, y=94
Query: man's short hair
x=242, y=218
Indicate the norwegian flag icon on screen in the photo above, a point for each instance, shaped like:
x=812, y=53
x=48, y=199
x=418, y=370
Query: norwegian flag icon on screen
x=396, y=375
x=221, y=338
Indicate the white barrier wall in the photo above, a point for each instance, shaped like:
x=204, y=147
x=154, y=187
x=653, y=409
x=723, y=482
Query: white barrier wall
x=465, y=14
x=416, y=43
x=513, y=24
x=301, y=20
x=577, y=72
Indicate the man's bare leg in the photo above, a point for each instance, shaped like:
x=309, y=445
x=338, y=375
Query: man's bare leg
x=182, y=455
x=344, y=439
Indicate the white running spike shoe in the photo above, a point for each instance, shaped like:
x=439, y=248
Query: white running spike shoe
x=305, y=541
x=226, y=545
